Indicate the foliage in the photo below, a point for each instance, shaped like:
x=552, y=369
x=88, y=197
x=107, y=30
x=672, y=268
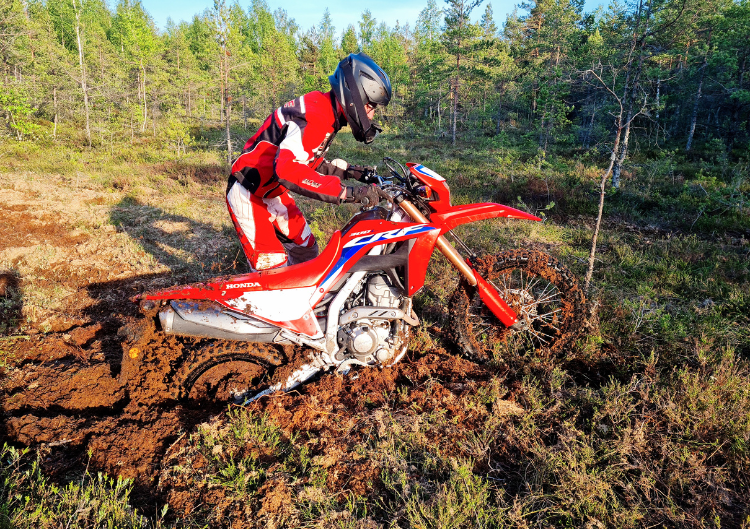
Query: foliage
x=18, y=114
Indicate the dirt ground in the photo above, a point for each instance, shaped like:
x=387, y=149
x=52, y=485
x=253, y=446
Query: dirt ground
x=66, y=390
x=66, y=277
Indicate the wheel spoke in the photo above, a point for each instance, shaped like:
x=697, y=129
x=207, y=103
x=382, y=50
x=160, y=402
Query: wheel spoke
x=548, y=307
x=543, y=300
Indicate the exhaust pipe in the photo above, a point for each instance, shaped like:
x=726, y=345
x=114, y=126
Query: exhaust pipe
x=200, y=320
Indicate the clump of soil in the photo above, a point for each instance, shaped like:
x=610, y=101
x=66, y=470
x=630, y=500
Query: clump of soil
x=8, y=283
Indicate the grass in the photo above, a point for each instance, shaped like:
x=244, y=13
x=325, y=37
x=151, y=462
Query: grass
x=645, y=422
x=29, y=499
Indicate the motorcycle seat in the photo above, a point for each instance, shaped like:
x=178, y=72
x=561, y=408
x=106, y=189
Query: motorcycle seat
x=303, y=274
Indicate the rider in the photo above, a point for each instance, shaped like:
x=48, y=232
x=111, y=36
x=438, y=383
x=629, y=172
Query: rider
x=287, y=153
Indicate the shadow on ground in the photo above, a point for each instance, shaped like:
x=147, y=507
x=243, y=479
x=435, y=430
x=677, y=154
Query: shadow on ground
x=192, y=250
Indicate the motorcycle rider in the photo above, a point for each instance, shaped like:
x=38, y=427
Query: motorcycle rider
x=288, y=153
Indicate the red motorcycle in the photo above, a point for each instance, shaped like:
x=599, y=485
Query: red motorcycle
x=353, y=304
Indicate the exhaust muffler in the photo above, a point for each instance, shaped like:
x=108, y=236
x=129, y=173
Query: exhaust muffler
x=204, y=320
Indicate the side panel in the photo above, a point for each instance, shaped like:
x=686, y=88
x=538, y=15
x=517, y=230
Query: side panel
x=276, y=305
x=457, y=215
x=288, y=308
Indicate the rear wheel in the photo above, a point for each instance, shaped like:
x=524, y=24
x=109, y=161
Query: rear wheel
x=542, y=292
x=219, y=373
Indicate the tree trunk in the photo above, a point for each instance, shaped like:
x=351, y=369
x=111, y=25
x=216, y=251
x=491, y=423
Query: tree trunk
x=83, y=72
x=455, y=93
x=620, y=157
x=455, y=112
x=229, y=136
x=226, y=104
x=54, y=99
x=602, y=193
x=145, y=102
x=440, y=98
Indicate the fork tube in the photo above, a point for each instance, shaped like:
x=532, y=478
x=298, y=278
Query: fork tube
x=442, y=243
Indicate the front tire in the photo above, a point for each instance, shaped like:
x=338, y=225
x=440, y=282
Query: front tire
x=542, y=292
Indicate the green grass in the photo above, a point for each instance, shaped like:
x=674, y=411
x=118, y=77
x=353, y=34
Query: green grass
x=29, y=499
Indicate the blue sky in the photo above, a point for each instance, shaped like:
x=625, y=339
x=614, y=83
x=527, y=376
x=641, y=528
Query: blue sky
x=308, y=13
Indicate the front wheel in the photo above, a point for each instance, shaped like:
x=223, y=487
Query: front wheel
x=542, y=292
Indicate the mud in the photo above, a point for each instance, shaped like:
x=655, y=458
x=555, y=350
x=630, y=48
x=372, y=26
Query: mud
x=334, y=417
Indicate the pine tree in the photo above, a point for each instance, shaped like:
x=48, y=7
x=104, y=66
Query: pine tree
x=429, y=63
x=349, y=40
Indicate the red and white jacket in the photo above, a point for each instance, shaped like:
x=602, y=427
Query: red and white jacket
x=288, y=151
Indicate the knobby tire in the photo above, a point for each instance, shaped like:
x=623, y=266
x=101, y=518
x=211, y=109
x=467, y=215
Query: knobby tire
x=543, y=292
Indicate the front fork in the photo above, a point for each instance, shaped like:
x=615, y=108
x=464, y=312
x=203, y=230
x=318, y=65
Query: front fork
x=489, y=295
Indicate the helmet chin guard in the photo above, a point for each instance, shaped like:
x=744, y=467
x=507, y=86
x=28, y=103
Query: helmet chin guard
x=358, y=81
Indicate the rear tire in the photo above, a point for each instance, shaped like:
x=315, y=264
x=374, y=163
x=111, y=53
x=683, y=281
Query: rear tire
x=542, y=292
x=215, y=374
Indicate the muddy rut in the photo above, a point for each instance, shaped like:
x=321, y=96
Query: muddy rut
x=71, y=398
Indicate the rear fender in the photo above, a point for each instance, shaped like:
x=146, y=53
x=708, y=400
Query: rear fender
x=457, y=215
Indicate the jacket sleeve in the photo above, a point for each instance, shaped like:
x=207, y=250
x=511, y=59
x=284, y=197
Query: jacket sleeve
x=292, y=159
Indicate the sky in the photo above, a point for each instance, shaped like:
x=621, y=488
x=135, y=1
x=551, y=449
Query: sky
x=309, y=13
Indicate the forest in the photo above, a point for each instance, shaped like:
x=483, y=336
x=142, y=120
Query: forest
x=626, y=130
x=650, y=76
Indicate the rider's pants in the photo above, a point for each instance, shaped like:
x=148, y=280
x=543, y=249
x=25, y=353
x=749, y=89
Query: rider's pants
x=272, y=231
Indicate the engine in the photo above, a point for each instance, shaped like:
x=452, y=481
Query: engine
x=373, y=330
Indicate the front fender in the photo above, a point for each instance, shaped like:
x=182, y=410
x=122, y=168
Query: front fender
x=457, y=215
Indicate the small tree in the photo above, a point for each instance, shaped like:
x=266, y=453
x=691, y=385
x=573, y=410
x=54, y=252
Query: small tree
x=461, y=37
x=17, y=112
x=177, y=132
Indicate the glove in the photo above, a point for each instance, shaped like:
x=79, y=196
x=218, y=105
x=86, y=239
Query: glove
x=365, y=195
x=362, y=173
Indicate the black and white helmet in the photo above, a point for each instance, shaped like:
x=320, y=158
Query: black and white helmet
x=371, y=85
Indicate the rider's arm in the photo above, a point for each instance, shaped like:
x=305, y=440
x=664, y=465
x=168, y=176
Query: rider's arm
x=296, y=152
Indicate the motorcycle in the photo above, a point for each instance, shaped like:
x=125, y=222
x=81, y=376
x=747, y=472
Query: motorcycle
x=353, y=304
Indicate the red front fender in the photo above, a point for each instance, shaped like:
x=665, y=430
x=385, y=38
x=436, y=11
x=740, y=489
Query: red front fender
x=457, y=215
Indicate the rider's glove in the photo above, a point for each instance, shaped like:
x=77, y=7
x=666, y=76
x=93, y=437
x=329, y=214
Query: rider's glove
x=365, y=195
x=362, y=173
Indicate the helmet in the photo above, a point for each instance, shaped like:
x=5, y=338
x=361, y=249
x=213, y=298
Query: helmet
x=357, y=81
